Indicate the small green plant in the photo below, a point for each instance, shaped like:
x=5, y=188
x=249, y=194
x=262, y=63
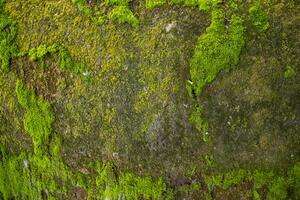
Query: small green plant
x=122, y=14
x=289, y=72
x=259, y=17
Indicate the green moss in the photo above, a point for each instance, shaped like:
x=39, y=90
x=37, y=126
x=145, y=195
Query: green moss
x=259, y=17
x=217, y=49
x=234, y=178
x=143, y=65
x=289, y=72
x=150, y=4
x=117, y=2
x=201, y=124
x=65, y=60
x=14, y=177
x=38, y=117
x=122, y=14
x=82, y=7
x=26, y=176
x=294, y=180
x=41, y=51
x=8, y=48
x=127, y=185
x=278, y=189
x=202, y=4
x=278, y=184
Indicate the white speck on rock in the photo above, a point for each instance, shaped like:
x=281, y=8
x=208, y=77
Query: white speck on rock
x=25, y=163
x=170, y=26
x=85, y=73
x=115, y=154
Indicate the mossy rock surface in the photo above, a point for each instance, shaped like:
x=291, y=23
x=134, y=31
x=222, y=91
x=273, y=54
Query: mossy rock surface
x=128, y=116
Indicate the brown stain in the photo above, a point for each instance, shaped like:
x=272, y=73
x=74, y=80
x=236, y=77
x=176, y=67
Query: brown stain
x=41, y=76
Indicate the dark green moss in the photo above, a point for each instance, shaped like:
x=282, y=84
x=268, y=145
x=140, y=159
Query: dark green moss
x=8, y=31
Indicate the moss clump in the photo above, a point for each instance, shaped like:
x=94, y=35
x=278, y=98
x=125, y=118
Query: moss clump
x=30, y=176
x=41, y=51
x=38, y=117
x=8, y=31
x=37, y=174
x=202, y=4
x=67, y=63
x=258, y=17
x=150, y=4
x=117, y=2
x=289, y=72
x=127, y=185
x=294, y=180
x=122, y=14
x=14, y=177
x=278, y=184
x=81, y=6
x=65, y=60
x=217, y=49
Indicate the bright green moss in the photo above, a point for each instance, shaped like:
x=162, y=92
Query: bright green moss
x=289, y=72
x=150, y=4
x=15, y=178
x=202, y=4
x=117, y=2
x=38, y=117
x=234, y=178
x=65, y=60
x=82, y=7
x=26, y=176
x=217, y=49
x=259, y=17
x=128, y=185
x=122, y=14
x=278, y=189
x=41, y=51
x=278, y=184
